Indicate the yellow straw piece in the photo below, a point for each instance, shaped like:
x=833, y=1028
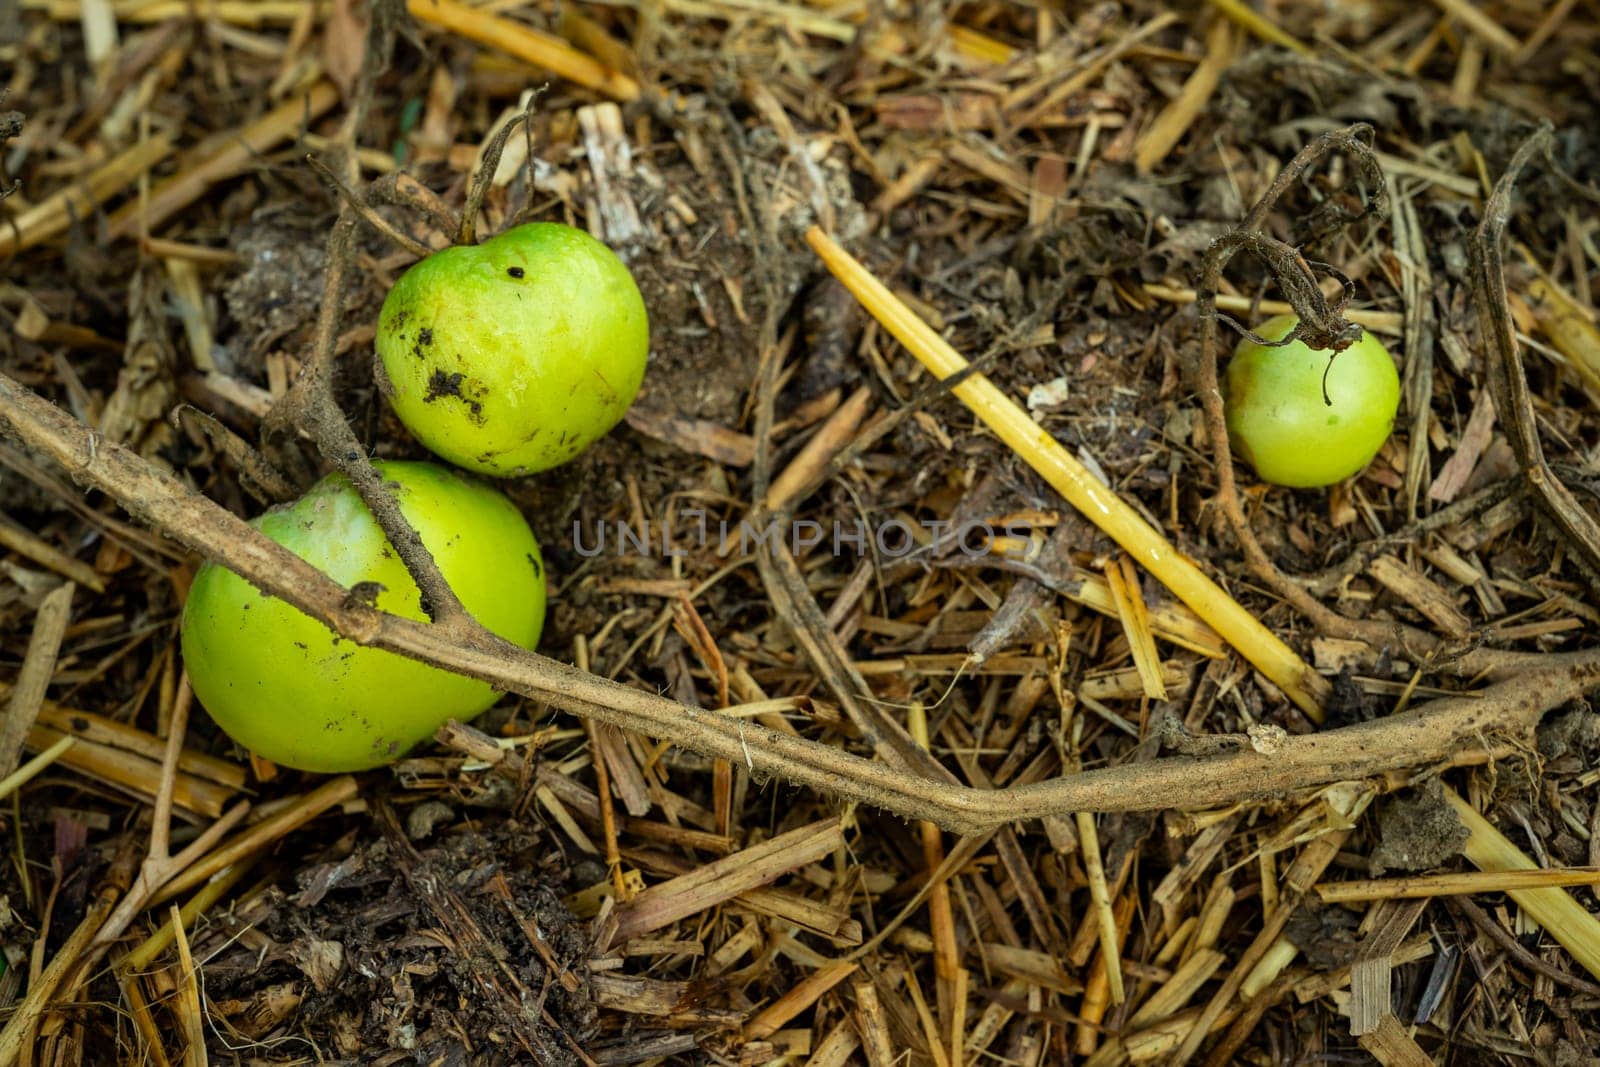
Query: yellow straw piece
x=1260, y=646
x=1254, y=22
x=1562, y=917
x=527, y=43
x=23, y=774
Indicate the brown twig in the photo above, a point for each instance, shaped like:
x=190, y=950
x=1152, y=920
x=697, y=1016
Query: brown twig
x=1449, y=729
x=1508, y=383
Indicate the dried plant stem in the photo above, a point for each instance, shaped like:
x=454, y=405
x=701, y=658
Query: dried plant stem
x=1553, y=908
x=525, y=42
x=1260, y=646
x=1507, y=382
x=1321, y=326
x=1450, y=729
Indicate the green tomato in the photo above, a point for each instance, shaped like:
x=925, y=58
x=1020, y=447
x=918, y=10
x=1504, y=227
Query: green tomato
x=513, y=356
x=286, y=687
x=1279, y=422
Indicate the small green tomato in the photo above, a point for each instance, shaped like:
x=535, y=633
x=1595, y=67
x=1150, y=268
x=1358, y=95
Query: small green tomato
x=1279, y=421
x=513, y=356
x=286, y=687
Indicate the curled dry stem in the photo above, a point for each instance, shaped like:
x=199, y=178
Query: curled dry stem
x=361, y=207
x=1322, y=325
x=467, y=230
x=1508, y=383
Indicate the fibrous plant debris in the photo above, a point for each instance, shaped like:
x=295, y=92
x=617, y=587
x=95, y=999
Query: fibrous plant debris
x=850, y=740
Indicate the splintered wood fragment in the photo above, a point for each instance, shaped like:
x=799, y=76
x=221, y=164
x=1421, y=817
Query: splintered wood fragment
x=187, y=1005
x=1422, y=593
x=724, y=879
x=188, y=298
x=798, y=999
x=1465, y=883
x=611, y=746
x=1390, y=323
x=700, y=437
x=1316, y=986
x=38, y=665
x=654, y=996
x=1260, y=646
x=1100, y=897
x=1481, y=25
x=1123, y=582
x=1374, y=962
x=236, y=155
x=1162, y=135
x=526, y=43
x=837, y=1048
x=613, y=216
x=1553, y=908
x=1391, y=1045
x=1452, y=477
x=52, y=215
x=1032, y=966
x=872, y=1024
x=1259, y=25
x=830, y=439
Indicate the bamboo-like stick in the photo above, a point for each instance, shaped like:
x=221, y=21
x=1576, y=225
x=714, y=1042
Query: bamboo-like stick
x=1562, y=917
x=1462, y=883
x=1260, y=646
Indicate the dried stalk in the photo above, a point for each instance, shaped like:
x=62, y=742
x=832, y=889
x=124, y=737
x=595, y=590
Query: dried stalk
x=1507, y=381
x=1451, y=729
x=1321, y=326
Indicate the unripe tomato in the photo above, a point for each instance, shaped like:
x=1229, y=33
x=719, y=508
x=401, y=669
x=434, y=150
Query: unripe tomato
x=513, y=356
x=286, y=687
x=1279, y=422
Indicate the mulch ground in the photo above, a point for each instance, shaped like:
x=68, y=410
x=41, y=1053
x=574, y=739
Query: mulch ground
x=1041, y=184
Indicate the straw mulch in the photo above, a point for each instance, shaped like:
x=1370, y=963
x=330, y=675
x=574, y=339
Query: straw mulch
x=946, y=770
